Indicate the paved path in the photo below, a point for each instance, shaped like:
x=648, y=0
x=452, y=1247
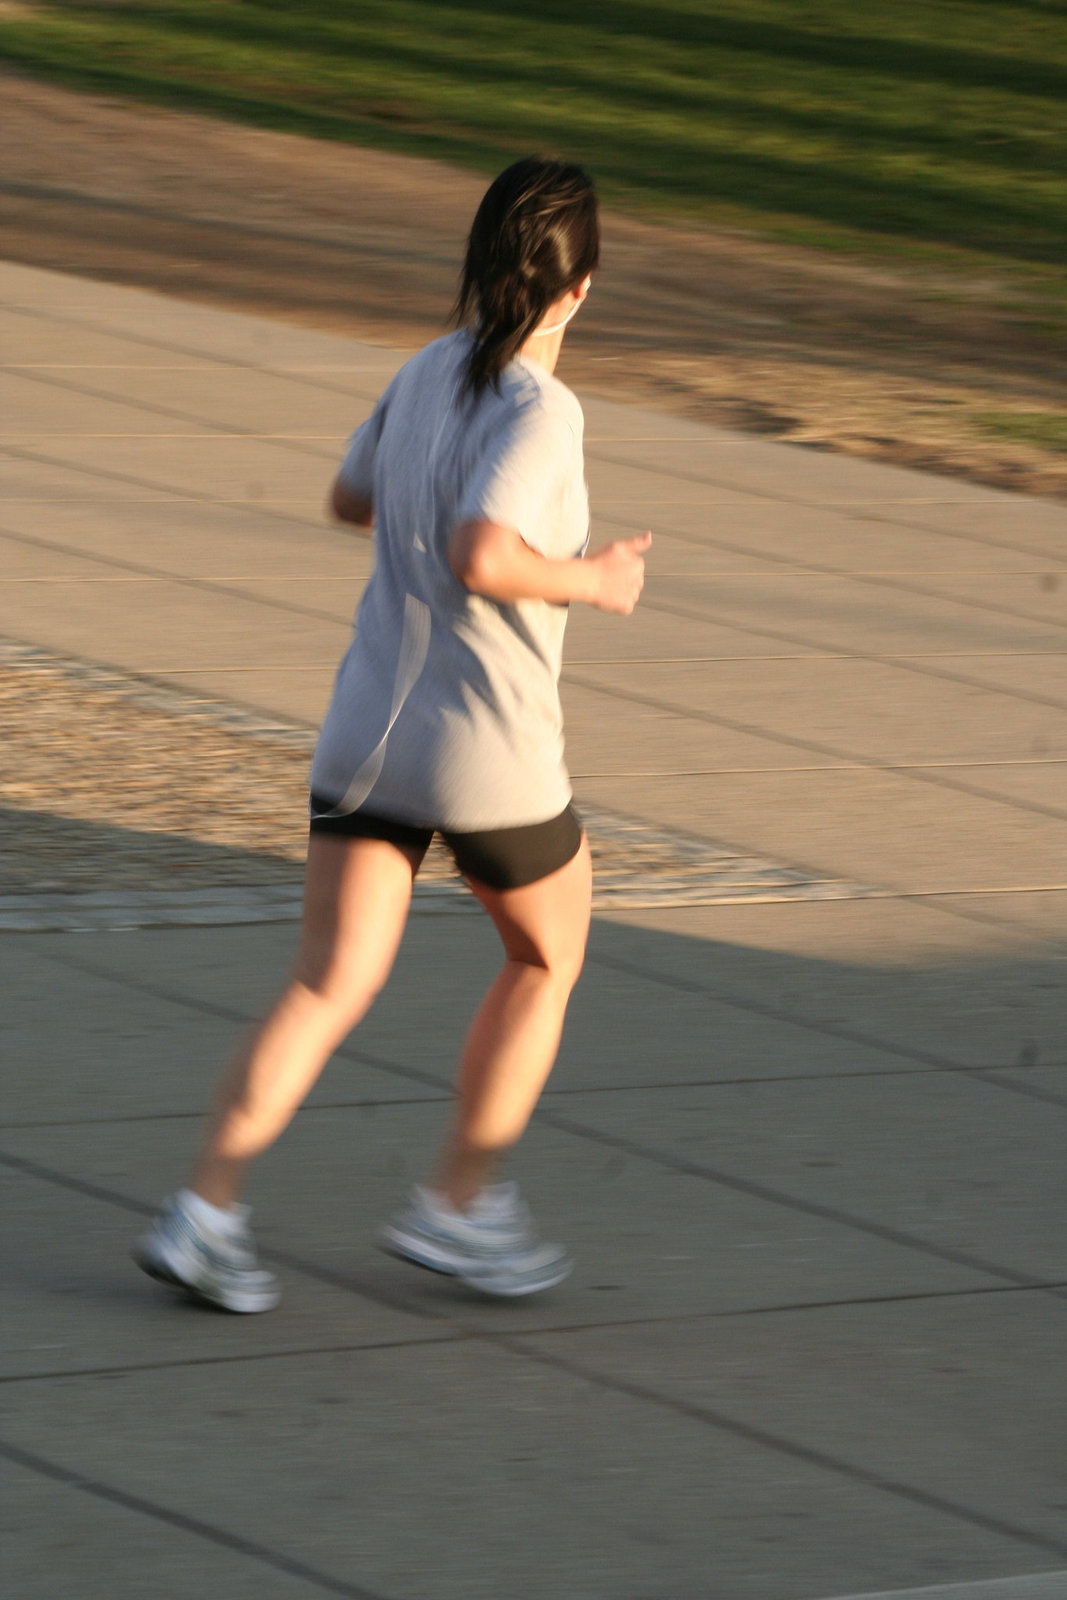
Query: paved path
x=809, y=1151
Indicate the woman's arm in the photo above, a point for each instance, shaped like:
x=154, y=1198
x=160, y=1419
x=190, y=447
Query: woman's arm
x=347, y=506
x=494, y=561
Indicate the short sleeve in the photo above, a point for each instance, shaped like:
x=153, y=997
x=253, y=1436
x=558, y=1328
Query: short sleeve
x=356, y=471
x=520, y=477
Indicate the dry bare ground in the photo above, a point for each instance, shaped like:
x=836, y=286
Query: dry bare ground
x=96, y=795
x=895, y=360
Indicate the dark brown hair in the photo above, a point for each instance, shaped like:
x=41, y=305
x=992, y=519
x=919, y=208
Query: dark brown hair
x=535, y=235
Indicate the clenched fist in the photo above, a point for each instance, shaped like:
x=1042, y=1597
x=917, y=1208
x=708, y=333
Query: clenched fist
x=618, y=574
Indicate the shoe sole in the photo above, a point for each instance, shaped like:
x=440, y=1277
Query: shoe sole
x=240, y=1305
x=515, y=1289
x=500, y=1288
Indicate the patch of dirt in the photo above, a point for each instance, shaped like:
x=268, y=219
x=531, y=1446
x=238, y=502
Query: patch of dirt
x=112, y=782
x=892, y=361
x=96, y=788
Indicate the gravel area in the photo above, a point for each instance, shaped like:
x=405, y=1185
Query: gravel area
x=112, y=782
x=128, y=803
x=105, y=784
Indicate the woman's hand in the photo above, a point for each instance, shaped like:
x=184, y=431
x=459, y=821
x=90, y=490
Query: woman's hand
x=349, y=507
x=618, y=572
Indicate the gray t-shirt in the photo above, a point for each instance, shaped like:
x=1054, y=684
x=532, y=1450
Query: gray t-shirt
x=445, y=710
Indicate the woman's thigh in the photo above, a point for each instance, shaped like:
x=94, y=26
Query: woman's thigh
x=356, y=897
x=546, y=923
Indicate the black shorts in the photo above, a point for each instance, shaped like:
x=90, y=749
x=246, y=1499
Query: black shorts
x=501, y=858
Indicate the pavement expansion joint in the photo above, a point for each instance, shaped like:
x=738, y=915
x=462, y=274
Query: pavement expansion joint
x=90, y=851
x=1020, y=1586
x=212, y=1533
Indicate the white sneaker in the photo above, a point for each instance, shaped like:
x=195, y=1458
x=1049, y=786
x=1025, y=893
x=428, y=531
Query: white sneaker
x=491, y=1247
x=220, y=1268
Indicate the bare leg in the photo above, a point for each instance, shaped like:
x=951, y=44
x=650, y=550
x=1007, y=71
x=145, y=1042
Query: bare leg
x=356, y=899
x=513, y=1040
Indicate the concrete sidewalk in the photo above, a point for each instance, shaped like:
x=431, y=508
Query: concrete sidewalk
x=806, y=1140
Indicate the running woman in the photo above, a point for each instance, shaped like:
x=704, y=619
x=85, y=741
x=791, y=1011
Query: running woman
x=445, y=718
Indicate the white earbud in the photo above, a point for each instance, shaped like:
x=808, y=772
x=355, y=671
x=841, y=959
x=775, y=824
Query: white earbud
x=556, y=326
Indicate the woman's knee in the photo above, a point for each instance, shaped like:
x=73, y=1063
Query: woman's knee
x=341, y=980
x=568, y=962
x=559, y=959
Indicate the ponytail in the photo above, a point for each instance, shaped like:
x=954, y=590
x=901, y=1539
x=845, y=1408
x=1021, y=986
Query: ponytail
x=535, y=235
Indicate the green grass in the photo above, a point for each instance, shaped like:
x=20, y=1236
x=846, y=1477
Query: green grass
x=924, y=122
x=1045, y=429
